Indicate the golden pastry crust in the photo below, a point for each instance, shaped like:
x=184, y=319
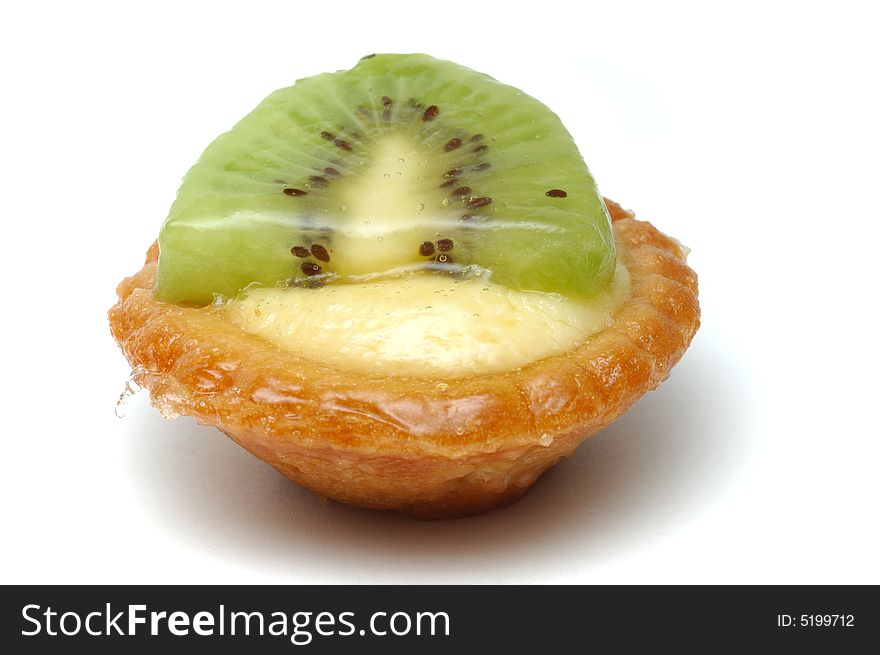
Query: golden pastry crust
x=431, y=449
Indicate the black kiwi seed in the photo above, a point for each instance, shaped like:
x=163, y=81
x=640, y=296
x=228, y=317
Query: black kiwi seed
x=450, y=182
x=476, y=137
x=388, y=104
x=299, y=251
x=426, y=249
x=332, y=172
x=479, y=202
x=308, y=268
x=462, y=191
x=455, y=172
x=328, y=136
x=445, y=245
x=452, y=144
x=481, y=166
x=317, y=180
x=320, y=252
x=430, y=113
x=295, y=192
x=482, y=148
x=556, y=193
x=342, y=143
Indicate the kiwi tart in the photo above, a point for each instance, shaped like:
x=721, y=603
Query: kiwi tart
x=400, y=286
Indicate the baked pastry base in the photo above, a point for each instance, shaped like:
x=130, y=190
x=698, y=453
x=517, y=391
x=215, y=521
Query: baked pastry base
x=431, y=449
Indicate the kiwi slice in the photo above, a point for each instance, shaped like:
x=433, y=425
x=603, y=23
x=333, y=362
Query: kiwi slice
x=402, y=163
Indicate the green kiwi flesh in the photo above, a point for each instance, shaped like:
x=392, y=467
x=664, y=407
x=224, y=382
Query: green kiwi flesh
x=402, y=163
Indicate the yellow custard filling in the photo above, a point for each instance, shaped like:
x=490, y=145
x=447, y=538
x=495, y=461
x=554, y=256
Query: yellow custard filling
x=423, y=325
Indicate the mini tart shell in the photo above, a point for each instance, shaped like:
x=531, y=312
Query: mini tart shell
x=427, y=448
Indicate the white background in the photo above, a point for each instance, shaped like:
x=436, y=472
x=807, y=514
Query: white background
x=750, y=133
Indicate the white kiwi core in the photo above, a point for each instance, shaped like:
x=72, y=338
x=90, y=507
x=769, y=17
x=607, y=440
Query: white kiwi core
x=380, y=210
